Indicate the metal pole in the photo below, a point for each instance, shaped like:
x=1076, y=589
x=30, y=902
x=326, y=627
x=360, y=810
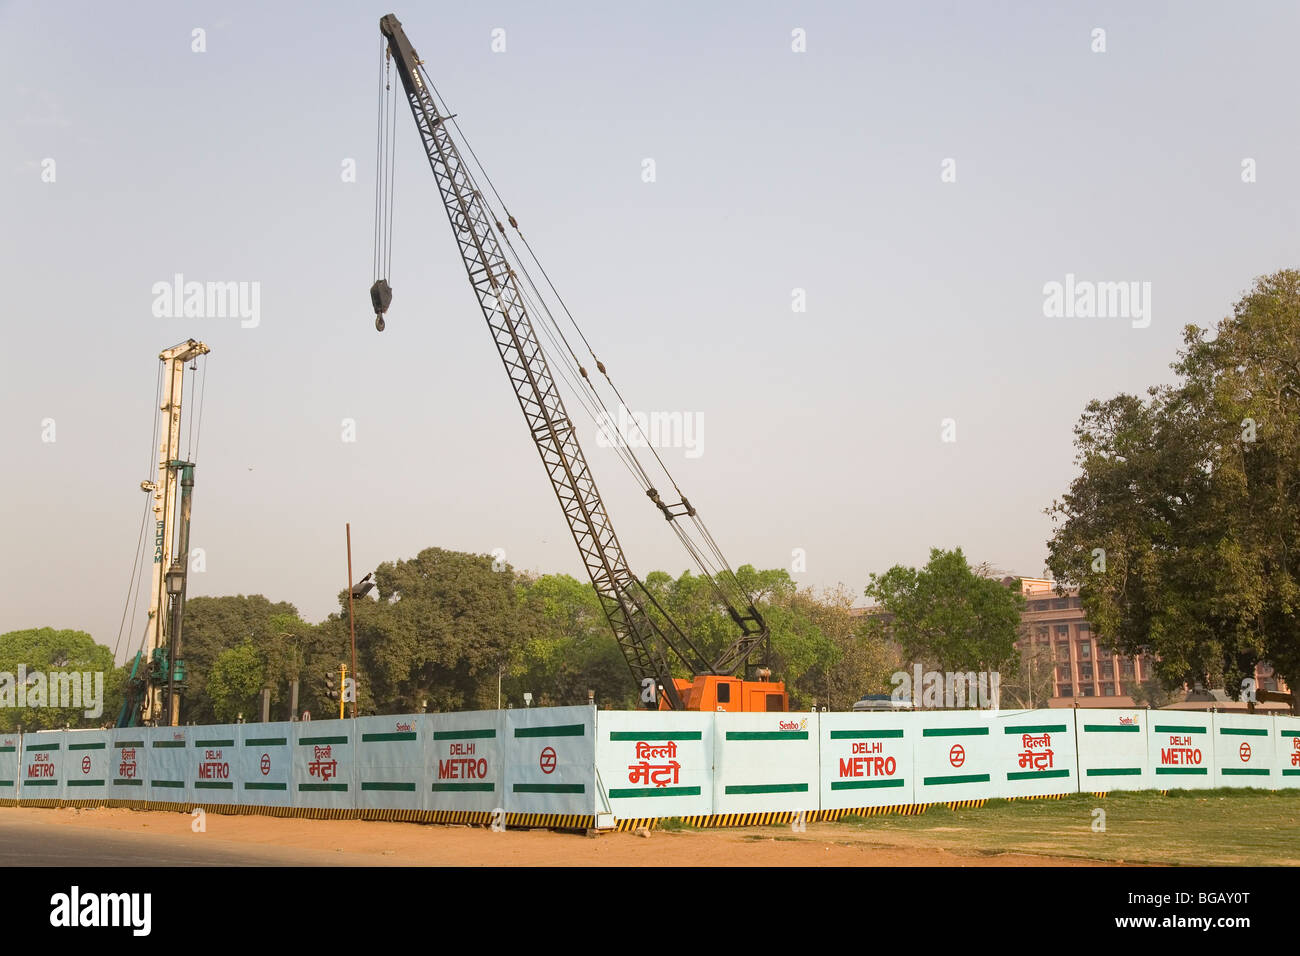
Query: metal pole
x=352, y=627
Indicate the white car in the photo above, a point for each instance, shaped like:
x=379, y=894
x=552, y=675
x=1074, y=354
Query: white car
x=881, y=702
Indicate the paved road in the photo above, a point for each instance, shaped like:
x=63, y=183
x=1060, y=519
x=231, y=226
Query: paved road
x=24, y=843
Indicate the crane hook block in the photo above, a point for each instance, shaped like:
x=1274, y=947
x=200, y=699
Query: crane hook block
x=381, y=295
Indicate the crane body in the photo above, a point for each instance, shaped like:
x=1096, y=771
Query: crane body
x=644, y=631
x=154, y=686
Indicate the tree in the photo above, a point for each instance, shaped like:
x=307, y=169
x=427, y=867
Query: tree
x=442, y=626
x=947, y=614
x=235, y=683
x=214, y=625
x=52, y=652
x=1181, y=528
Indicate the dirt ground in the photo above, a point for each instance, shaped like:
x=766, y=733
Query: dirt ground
x=373, y=843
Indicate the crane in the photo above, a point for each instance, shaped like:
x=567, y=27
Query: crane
x=645, y=632
x=153, y=688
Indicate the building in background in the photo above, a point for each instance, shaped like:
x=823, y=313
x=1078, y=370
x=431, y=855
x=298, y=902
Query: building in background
x=1087, y=672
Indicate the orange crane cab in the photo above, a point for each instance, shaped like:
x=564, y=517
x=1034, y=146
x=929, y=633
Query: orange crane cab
x=712, y=692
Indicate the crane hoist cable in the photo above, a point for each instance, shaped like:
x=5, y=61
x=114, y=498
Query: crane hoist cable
x=381, y=292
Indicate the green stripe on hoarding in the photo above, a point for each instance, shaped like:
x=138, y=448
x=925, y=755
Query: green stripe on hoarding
x=1111, y=728
x=1291, y=773
x=1289, y=733
x=85, y=783
x=463, y=734
x=1180, y=729
x=1037, y=774
x=214, y=743
x=266, y=786
x=214, y=785
x=380, y=738
x=123, y=782
x=964, y=778
x=863, y=734
x=550, y=788
x=768, y=788
x=667, y=735
x=99, y=746
x=1193, y=771
x=322, y=788
x=167, y=783
x=767, y=735
x=634, y=792
x=1242, y=732
x=128, y=743
x=169, y=743
x=33, y=747
x=6, y=783
x=955, y=732
x=387, y=785
x=1113, y=772
x=1036, y=729
x=1243, y=772
x=7, y=750
x=464, y=787
x=267, y=742
x=864, y=784
x=40, y=783
x=559, y=730
x=312, y=741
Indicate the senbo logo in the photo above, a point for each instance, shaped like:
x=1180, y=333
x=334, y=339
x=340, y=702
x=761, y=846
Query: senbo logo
x=792, y=725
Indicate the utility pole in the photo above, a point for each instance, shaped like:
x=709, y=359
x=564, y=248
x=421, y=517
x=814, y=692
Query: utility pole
x=352, y=628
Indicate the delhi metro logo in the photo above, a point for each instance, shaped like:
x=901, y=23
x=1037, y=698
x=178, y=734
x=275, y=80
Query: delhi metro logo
x=85, y=764
x=957, y=755
x=547, y=760
x=265, y=765
x=1244, y=752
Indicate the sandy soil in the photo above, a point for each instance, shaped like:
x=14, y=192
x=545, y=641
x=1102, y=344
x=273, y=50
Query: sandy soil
x=373, y=843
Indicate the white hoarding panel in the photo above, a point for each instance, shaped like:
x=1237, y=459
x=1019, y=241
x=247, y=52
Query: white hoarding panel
x=1286, y=750
x=1035, y=753
x=550, y=762
x=129, y=750
x=1180, y=746
x=1243, y=751
x=41, y=775
x=88, y=774
x=1113, y=750
x=465, y=757
x=211, y=765
x=323, y=765
x=263, y=767
x=765, y=763
x=390, y=763
x=866, y=760
x=10, y=761
x=166, y=766
x=957, y=755
x=655, y=764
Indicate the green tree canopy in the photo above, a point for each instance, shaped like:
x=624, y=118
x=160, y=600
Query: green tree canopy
x=947, y=614
x=50, y=651
x=1182, y=527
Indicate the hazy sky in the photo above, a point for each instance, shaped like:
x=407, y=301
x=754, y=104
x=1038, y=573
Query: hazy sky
x=775, y=170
